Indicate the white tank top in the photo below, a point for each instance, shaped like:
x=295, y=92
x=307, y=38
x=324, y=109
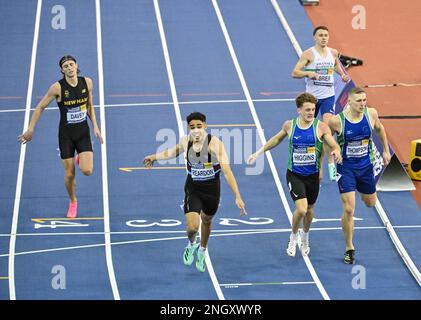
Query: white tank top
x=324, y=67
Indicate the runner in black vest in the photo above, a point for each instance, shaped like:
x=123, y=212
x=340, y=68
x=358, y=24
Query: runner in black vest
x=206, y=157
x=74, y=98
x=202, y=188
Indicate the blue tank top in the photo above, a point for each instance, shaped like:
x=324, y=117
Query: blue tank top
x=305, y=149
x=356, y=141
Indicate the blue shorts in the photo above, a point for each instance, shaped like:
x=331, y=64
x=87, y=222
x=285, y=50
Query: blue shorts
x=361, y=179
x=326, y=105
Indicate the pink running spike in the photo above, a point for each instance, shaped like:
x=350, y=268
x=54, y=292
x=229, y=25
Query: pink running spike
x=72, y=212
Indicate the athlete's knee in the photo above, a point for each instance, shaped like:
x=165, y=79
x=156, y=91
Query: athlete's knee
x=87, y=171
x=348, y=210
x=207, y=221
x=193, y=223
x=192, y=228
x=301, y=212
x=310, y=211
x=370, y=202
x=69, y=176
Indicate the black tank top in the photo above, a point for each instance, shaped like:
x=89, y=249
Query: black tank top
x=202, y=167
x=74, y=103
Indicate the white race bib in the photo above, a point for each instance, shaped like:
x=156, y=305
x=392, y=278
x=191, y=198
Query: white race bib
x=202, y=173
x=357, y=149
x=304, y=156
x=77, y=115
x=325, y=77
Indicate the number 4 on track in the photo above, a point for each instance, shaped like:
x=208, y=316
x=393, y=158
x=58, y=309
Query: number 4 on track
x=59, y=224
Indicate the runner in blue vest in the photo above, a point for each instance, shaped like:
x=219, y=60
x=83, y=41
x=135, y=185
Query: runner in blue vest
x=306, y=137
x=354, y=127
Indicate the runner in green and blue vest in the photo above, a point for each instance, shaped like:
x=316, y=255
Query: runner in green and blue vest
x=306, y=137
x=354, y=127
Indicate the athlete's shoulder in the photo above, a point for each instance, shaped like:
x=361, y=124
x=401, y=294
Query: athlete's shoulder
x=322, y=129
x=185, y=140
x=374, y=115
x=88, y=82
x=335, y=120
x=308, y=54
x=55, y=88
x=215, y=140
x=322, y=125
x=286, y=127
x=372, y=111
x=56, y=84
x=287, y=124
x=334, y=52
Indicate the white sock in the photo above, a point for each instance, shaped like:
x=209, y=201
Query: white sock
x=305, y=235
x=293, y=236
x=202, y=248
x=192, y=243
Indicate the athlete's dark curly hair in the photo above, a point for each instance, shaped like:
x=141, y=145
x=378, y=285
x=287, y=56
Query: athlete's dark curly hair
x=196, y=116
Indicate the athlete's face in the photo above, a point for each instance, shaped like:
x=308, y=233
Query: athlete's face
x=69, y=68
x=306, y=111
x=321, y=37
x=197, y=129
x=357, y=102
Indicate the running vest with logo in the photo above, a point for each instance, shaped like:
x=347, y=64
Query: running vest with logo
x=74, y=103
x=324, y=67
x=200, y=166
x=356, y=141
x=305, y=149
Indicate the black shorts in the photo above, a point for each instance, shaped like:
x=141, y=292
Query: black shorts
x=301, y=187
x=202, y=197
x=74, y=138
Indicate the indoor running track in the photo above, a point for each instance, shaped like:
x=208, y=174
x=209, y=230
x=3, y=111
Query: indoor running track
x=158, y=61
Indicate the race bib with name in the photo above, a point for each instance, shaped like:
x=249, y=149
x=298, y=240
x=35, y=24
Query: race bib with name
x=76, y=115
x=203, y=172
x=304, y=156
x=357, y=149
x=325, y=77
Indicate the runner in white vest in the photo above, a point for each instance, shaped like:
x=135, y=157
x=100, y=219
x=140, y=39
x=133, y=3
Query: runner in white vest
x=317, y=64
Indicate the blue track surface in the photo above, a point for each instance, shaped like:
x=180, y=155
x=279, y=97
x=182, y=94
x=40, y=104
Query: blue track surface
x=248, y=258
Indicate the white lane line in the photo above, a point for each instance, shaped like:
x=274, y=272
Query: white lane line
x=167, y=59
x=215, y=233
x=108, y=253
x=398, y=244
x=130, y=242
x=263, y=140
x=183, y=231
x=15, y=218
x=154, y=104
x=234, y=285
x=379, y=208
x=287, y=28
x=181, y=128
